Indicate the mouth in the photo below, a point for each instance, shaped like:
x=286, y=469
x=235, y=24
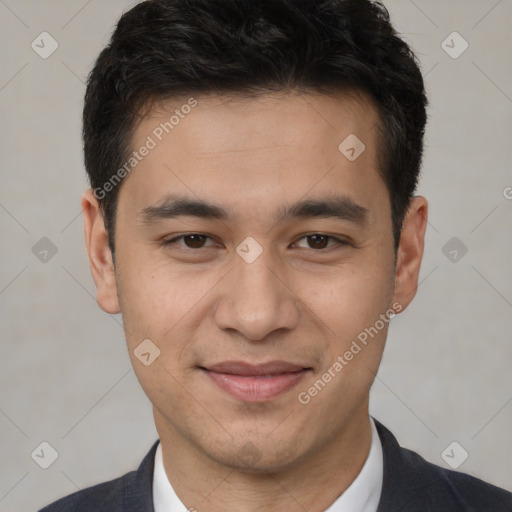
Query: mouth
x=255, y=383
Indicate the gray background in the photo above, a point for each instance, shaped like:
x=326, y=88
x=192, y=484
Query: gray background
x=65, y=373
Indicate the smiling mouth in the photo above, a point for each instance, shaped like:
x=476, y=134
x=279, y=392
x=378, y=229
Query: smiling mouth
x=255, y=383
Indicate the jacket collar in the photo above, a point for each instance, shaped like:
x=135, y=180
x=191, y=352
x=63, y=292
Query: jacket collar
x=408, y=480
x=138, y=489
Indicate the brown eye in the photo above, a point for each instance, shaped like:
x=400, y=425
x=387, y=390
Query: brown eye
x=190, y=241
x=318, y=241
x=194, y=241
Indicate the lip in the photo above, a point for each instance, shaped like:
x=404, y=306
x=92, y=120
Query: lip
x=255, y=383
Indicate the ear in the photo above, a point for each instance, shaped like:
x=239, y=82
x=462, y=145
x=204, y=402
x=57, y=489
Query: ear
x=410, y=251
x=100, y=256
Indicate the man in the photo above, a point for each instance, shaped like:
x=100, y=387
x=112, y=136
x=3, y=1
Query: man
x=252, y=216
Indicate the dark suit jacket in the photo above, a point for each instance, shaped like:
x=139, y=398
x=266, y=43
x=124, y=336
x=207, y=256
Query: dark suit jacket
x=411, y=484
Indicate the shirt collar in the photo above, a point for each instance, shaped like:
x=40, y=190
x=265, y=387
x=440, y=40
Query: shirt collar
x=362, y=495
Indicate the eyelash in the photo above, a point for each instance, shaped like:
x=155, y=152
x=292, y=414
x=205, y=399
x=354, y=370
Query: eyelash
x=173, y=241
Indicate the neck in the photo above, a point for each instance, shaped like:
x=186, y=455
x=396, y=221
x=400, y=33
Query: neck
x=312, y=484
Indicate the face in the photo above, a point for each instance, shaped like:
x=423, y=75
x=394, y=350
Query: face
x=256, y=254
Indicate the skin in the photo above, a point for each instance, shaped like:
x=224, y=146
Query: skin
x=295, y=302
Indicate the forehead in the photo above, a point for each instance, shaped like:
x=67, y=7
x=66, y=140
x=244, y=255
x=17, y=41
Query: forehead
x=220, y=123
x=254, y=153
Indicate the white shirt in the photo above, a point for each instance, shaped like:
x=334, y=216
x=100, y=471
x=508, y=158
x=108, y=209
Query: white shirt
x=362, y=495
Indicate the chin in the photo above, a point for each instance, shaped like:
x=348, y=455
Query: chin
x=257, y=457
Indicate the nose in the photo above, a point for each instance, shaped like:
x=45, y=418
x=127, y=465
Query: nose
x=255, y=299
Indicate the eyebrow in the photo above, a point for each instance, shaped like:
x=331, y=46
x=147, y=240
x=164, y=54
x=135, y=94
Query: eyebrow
x=334, y=206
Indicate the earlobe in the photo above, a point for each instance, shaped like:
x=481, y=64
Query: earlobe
x=100, y=256
x=410, y=251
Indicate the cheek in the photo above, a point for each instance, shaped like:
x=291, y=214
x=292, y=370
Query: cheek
x=350, y=299
x=158, y=302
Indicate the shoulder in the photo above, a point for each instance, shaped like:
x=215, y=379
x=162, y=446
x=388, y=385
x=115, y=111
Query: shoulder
x=133, y=491
x=106, y=496
x=443, y=485
x=412, y=482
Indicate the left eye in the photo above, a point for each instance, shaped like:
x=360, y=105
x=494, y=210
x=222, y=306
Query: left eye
x=319, y=241
x=196, y=241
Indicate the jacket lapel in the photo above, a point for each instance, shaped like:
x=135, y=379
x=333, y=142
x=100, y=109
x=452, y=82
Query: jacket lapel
x=405, y=485
x=138, y=488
